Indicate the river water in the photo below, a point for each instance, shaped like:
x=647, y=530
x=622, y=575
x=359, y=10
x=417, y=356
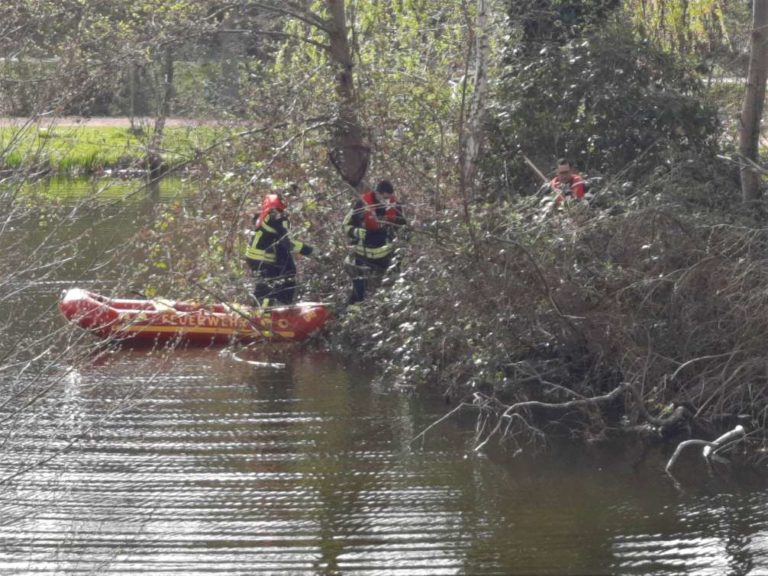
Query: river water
x=197, y=462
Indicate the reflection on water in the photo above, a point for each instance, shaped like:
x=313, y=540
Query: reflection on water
x=192, y=463
x=106, y=189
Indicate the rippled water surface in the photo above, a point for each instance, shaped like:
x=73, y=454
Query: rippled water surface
x=194, y=462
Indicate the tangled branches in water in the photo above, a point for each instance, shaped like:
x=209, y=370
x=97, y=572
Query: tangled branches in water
x=593, y=324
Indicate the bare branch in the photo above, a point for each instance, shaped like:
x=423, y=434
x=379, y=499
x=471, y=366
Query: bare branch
x=458, y=408
x=707, y=452
x=295, y=10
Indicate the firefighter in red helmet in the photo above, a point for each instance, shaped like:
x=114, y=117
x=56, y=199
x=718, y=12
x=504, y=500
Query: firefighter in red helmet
x=270, y=254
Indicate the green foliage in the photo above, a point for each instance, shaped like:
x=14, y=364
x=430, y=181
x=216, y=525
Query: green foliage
x=77, y=60
x=410, y=63
x=549, y=306
x=610, y=103
x=709, y=29
x=555, y=21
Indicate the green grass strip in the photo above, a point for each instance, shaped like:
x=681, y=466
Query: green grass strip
x=89, y=149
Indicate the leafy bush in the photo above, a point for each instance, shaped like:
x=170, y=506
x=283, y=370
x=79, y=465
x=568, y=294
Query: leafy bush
x=609, y=102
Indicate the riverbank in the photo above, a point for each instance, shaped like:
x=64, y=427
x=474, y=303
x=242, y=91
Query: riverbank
x=636, y=318
x=632, y=316
x=75, y=146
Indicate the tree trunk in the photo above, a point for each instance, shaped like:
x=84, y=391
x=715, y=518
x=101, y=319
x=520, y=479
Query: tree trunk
x=471, y=137
x=752, y=109
x=348, y=152
x=154, y=156
x=232, y=48
x=132, y=95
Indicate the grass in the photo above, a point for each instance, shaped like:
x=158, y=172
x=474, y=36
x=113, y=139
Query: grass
x=67, y=189
x=86, y=150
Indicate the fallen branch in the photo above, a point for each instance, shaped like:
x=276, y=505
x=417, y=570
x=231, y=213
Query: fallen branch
x=578, y=403
x=721, y=442
x=423, y=433
x=710, y=448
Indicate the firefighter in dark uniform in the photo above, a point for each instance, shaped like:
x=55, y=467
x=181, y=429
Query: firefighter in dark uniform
x=270, y=254
x=371, y=225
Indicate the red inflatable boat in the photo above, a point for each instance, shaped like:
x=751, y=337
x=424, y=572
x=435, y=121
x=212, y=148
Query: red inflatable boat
x=149, y=322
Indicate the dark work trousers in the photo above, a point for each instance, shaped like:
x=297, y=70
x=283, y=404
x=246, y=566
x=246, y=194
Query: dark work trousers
x=273, y=283
x=367, y=274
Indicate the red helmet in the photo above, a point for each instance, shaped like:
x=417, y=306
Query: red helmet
x=270, y=202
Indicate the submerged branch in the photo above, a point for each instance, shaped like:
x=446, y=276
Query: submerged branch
x=458, y=408
x=511, y=411
x=710, y=448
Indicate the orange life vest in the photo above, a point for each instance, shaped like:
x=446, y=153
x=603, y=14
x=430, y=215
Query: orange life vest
x=369, y=216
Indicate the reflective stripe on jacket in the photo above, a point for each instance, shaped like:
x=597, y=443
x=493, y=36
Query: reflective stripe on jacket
x=363, y=226
x=266, y=241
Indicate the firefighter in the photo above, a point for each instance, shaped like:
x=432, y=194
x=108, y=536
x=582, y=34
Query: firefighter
x=567, y=184
x=270, y=254
x=371, y=226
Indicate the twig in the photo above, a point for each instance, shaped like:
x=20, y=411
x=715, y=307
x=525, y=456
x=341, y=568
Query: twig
x=256, y=363
x=677, y=415
x=691, y=361
x=741, y=160
x=444, y=418
x=680, y=447
x=580, y=402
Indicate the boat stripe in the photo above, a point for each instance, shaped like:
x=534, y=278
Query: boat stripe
x=182, y=329
x=200, y=330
